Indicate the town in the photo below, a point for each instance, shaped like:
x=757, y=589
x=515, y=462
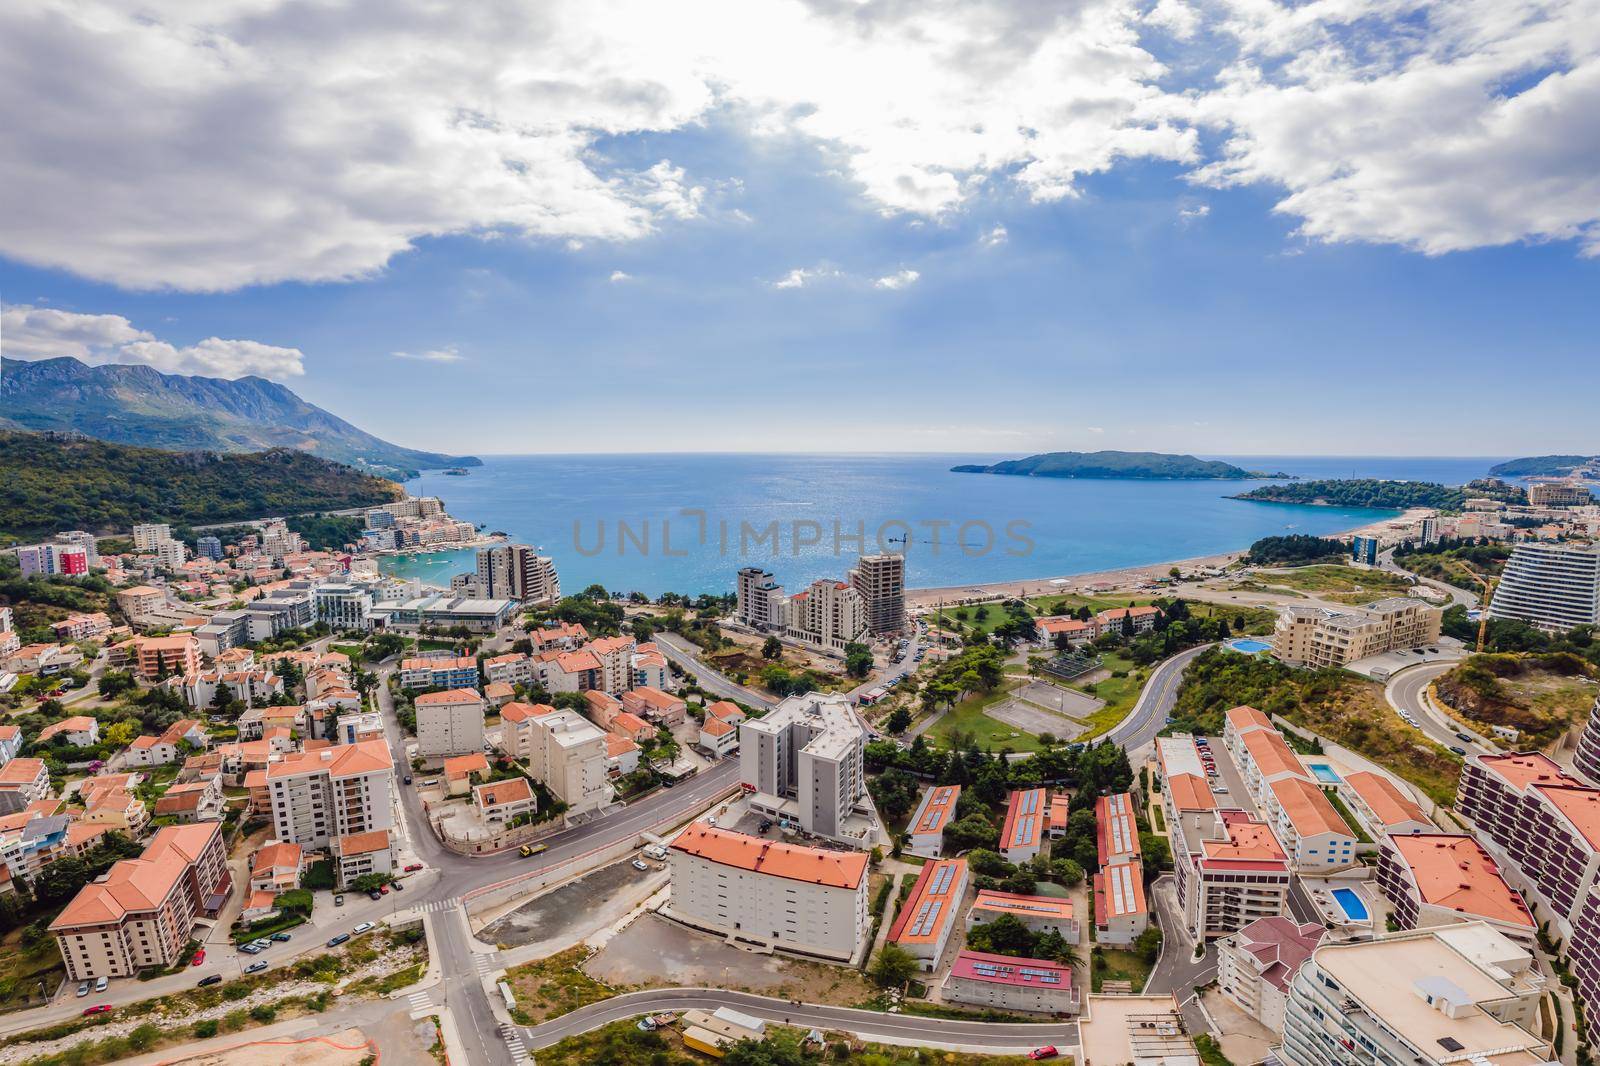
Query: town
x=1101, y=823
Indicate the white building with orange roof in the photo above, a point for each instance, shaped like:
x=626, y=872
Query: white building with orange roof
x=356, y=855
x=449, y=723
x=622, y=756
x=158, y=657
x=29, y=778
x=616, y=662
x=1308, y=826
x=318, y=796
x=1121, y=912
x=140, y=600
x=510, y=669
x=1040, y=914
x=601, y=707
x=1058, y=629
x=771, y=894
x=501, y=802
x=570, y=671
x=10, y=743
x=498, y=693
x=149, y=751
x=80, y=730
x=1230, y=870
x=922, y=926
x=461, y=770
x=82, y=626
x=1443, y=878
x=277, y=867
x=631, y=726
x=1386, y=808
x=656, y=706
x=935, y=811
x=718, y=737
x=116, y=808
x=453, y=672
x=516, y=729
x=1027, y=819
x=142, y=913
x=650, y=668
x=563, y=635
x=193, y=801
x=1140, y=619
x=1116, y=829
x=566, y=753
x=828, y=614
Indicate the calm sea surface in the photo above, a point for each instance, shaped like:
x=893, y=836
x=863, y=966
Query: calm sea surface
x=686, y=523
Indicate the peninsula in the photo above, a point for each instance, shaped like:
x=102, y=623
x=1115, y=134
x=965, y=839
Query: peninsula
x=1379, y=494
x=1154, y=466
x=1545, y=466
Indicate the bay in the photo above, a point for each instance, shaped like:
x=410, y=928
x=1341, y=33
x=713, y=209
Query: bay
x=687, y=522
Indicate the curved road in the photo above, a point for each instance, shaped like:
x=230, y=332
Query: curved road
x=1149, y=715
x=1406, y=692
x=990, y=1037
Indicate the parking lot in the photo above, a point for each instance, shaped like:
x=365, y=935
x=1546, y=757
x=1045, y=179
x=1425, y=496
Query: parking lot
x=1227, y=783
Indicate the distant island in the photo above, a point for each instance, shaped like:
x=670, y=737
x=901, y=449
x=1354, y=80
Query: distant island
x=1380, y=495
x=50, y=482
x=1544, y=466
x=1142, y=465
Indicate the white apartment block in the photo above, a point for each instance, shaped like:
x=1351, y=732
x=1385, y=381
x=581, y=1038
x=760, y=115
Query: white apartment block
x=343, y=606
x=319, y=796
x=1256, y=965
x=759, y=601
x=1457, y=994
x=147, y=535
x=1313, y=636
x=881, y=581
x=516, y=572
x=771, y=894
x=1555, y=587
x=566, y=753
x=171, y=554
x=449, y=723
x=828, y=614
x=803, y=762
x=1304, y=819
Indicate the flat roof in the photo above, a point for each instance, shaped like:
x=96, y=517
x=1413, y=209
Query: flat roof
x=1023, y=906
x=1142, y=1030
x=1178, y=755
x=933, y=903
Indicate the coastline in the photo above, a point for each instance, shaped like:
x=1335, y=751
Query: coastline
x=1125, y=577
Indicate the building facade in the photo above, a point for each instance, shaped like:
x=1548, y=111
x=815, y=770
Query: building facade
x=1552, y=586
x=449, y=723
x=881, y=582
x=804, y=762
x=318, y=796
x=1320, y=637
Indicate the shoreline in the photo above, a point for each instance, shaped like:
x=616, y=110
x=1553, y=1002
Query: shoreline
x=1120, y=578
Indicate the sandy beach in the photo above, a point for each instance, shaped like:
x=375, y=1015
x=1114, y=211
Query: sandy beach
x=1127, y=577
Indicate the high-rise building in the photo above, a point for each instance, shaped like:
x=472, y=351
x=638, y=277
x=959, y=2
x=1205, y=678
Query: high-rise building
x=516, y=572
x=1364, y=550
x=1586, y=761
x=53, y=560
x=146, y=535
x=562, y=749
x=829, y=614
x=87, y=541
x=208, y=548
x=759, y=600
x=1456, y=994
x=1552, y=586
x=881, y=581
x=171, y=554
x=804, y=762
x=1430, y=531
x=449, y=723
x=319, y=796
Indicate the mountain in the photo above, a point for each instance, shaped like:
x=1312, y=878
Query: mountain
x=1147, y=465
x=49, y=483
x=134, y=404
x=1543, y=465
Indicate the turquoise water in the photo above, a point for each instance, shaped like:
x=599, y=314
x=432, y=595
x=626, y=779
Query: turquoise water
x=1325, y=773
x=1351, y=904
x=681, y=516
x=1249, y=647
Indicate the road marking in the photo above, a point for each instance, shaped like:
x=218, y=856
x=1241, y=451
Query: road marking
x=436, y=905
x=421, y=1000
x=484, y=964
x=514, y=1044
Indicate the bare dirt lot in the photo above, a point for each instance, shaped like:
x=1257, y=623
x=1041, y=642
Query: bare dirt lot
x=656, y=952
x=1039, y=707
x=563, y=910
x=1061, y=700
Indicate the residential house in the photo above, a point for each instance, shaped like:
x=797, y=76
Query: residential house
x=500, y=802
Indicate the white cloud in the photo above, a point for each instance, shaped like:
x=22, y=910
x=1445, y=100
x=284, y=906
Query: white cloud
x=900, y=279
x=619, y=275
x=1193, y=212
x=239, y=142
x=448, y=354
x=1096, y=429
x=994, y=237
x=800, y=277
x=28, y=332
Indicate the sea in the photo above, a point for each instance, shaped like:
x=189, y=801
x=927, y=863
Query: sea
x=687, y=522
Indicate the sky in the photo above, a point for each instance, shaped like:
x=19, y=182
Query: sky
x=1223, y=227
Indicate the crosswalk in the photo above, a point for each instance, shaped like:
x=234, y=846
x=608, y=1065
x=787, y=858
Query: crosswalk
x=435, y=905
x=514, y=1044
x=421, y=1000
x=484, y=964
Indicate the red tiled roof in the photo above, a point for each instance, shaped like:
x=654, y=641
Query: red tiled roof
x=835, y=869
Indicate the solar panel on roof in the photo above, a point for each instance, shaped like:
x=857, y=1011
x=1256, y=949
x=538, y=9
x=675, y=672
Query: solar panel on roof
x=927, y=918
x=941, y=880
x=1030, y=803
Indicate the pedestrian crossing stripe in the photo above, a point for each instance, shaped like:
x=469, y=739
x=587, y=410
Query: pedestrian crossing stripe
x=514, y=1044
x=436, y=905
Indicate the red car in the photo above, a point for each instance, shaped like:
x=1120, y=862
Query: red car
x=1047, y=1052
x=199, y=958
x=383, y=890
x=101, y=1009
x=413, y=868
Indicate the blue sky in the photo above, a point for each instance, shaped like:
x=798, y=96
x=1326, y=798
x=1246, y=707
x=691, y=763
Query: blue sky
x=769, y=288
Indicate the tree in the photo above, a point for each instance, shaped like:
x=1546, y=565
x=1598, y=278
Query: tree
x=857, y=659
x=892, y=966
x=973, y=831
x=899, y=720
x=1068, y=871
x=895, y=793
x=1005, y=935
x=119, y=734
x=223, y=697
x=772, y=648
x=114, y=683
x=60, y=881
x=1081, y=841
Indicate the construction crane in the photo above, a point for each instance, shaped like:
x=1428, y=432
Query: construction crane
x=1489, y=584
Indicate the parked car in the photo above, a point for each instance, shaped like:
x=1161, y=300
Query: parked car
x=364, y=926
x=413, y=868
x=374, y=894
x=255, y=967
x=199, y=958
x=282, y=938
x=101, y=983
x=639, y=864
x=397, y=886
x=249, y=949
x=383, y=890
x=83, y=989
x=212, y=979
x=261, y=942
x=100, y=1009
x=338, y=901
x=1047, y=1052
x=340, y=939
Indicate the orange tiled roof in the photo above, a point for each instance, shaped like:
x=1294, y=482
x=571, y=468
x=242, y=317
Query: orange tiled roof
x=716, y=727
x=462, y=765
x=1308, y=807
x=1387, y=802
x=363, y=843
x=835, y=869
x=499, y=793
x=1243, y=717
x=1454, y=871
x=521, y=712
x=450, y=696
x=1190, y=792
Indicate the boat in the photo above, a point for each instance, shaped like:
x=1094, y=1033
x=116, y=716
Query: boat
x=455, y=471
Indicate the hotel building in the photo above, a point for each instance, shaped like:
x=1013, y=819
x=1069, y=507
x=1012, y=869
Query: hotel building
x=1456, y=994
x=760, y=601
x=922, y=926
x=319, y=796
x=775, y=895
x=1549, y=585
x=828, y=614
x=1444, y=878
x=1320, y=637
x=1586, y=761
x=517, y=572
x=803, y=762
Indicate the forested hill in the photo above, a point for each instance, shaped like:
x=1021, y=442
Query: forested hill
x=1542, y=465
x=1109, y=464
x=48, y=484
x=136, y=404
x=1375, y=493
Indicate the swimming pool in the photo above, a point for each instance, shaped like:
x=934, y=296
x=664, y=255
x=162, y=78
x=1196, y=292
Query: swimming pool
x=1350, y=902
x=1249, y=646
x=1324, y=773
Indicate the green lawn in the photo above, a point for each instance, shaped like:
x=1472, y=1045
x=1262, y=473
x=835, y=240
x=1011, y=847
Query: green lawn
x=968, y=717
x=1119, y=965
x=1342, y=584
x=1119, y=693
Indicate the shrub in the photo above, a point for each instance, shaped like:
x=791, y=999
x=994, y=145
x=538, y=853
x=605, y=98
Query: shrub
x=207, y=1028
x=264, y=1013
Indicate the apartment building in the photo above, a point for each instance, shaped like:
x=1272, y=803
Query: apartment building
x=936, y=810
x=1386, y=808
x=140, y=600
x=9, y=641
x=342, y=605
x=146, y=535
x=1455, y=994
x=758, y=601
x=1302, y=817
x=567, y=754
x=828, y=614
x=1040, y=914
x=52, y=560
x=82, y=626
x=439, y=671
x=881, y=581
x=1586, y=760
x=922, y=926
x=1321, y=637
x=516, y=728
x=1553, y=586
x=318, y=796
x=772, y=894
x=517, y=572
x=1559, y=494
x=1229, y=867
x=171, y=555
x=82, y=539
x=142, y=912
x=358, y=854
x=449, y=723
x=804, y=763
x=509, y=669
x=1116, y=829
x=1443, y=878
x=1004, y=983
x=157, y=657
x=1121, y=911
x=28, y=778
x=1256, y=965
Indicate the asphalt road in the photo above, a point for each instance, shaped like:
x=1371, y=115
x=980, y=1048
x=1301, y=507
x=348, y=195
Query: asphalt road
x=1150, y=714
x=682, y=653
x=1405, y=692
x=995, y=1038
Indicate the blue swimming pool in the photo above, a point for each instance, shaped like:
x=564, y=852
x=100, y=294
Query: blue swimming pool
x=1324, y=773
x=1351, y=904
x=1249, y=646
